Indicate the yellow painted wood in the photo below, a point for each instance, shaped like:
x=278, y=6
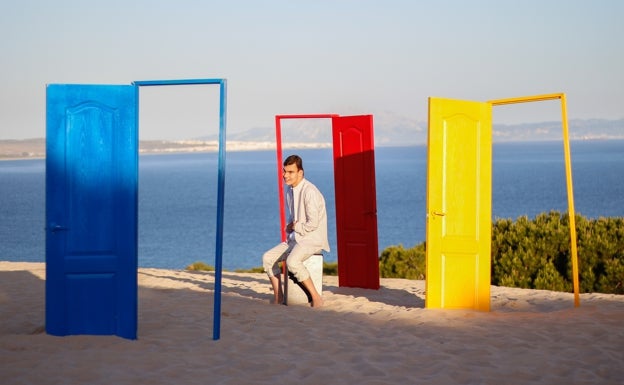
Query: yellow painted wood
x=571, y=212
x=524, y=99
x=568, y=171
x=459, y=196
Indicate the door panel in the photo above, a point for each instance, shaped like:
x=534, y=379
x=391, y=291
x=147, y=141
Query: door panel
x=356, y=201
x=459, y=170
x=91, y=210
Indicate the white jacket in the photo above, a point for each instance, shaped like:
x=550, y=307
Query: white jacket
x=311, y=221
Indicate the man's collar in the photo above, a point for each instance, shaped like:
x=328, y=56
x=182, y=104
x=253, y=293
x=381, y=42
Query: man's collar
x=299, y=184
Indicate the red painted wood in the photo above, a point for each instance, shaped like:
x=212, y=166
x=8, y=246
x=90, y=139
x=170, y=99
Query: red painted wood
x=278, y=141
x=356, y=201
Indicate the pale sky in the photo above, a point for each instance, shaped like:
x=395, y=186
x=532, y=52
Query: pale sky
x=321, y=56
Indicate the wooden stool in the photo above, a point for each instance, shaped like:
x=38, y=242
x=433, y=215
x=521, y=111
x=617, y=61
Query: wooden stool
x=294, y=292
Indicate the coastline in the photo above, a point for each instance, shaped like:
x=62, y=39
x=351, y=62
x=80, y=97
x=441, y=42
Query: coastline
x=24, y=149
x=35, y=148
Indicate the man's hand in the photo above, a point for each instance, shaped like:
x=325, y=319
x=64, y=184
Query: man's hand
x=291, y=227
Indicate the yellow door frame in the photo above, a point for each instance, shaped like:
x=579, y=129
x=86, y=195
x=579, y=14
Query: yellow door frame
x=568, y=171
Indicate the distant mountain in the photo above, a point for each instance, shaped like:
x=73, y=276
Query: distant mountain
x=396, y=130
x=579, y=129
x=22, y=149
x=35, y=148
x=390, y=130
x=393, y=130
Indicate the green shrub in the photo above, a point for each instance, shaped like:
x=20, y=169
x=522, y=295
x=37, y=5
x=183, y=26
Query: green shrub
x=330, y=268
x=613, y=279
x=397, y=262
x=252, y=270
x=199, y=266
x=521, y=250
x=527, y=253
x=536, y=254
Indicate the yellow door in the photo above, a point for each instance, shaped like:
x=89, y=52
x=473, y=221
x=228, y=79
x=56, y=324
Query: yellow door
x=459, y=204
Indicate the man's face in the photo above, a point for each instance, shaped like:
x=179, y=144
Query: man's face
x=292, y=176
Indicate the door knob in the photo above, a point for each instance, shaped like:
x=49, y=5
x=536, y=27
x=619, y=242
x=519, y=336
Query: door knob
x=54, y=228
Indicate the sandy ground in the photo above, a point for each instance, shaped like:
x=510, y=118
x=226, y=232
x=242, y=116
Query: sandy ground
x=361, y=336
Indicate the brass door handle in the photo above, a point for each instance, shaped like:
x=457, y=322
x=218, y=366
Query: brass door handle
x=438, y=214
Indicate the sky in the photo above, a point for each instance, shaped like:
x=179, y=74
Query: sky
x=347, y=57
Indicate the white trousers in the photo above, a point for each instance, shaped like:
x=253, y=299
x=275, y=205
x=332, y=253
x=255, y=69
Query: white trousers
x=294, y=254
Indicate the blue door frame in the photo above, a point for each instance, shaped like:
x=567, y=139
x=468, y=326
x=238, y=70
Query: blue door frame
x=91, y=207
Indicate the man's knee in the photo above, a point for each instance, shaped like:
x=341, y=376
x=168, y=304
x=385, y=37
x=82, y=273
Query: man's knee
x=298, y=269
x=271, y=259
x=268, y=259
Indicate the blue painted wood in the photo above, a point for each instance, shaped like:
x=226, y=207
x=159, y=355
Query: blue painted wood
x=91, y=209
x=178, y=82
x=216, y=330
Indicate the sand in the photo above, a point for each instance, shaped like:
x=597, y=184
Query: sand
x=361, y=336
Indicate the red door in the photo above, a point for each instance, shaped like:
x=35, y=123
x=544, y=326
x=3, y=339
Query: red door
x=356, y=201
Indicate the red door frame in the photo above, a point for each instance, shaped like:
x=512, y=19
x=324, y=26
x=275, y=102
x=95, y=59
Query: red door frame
x=280, y=180
x=280, y=184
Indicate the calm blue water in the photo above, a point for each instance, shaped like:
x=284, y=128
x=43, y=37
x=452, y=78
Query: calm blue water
x=177, y=198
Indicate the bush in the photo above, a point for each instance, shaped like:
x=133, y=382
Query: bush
x=397, y=262
x=200, y=266
x=528, y=249
x=328, y=268
x=536, y=254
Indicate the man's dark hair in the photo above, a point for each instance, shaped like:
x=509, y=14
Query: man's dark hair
x=296, y=160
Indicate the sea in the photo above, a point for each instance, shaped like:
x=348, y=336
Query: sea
x=178, y=198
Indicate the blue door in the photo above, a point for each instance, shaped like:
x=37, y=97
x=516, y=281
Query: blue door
x=91, y=210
